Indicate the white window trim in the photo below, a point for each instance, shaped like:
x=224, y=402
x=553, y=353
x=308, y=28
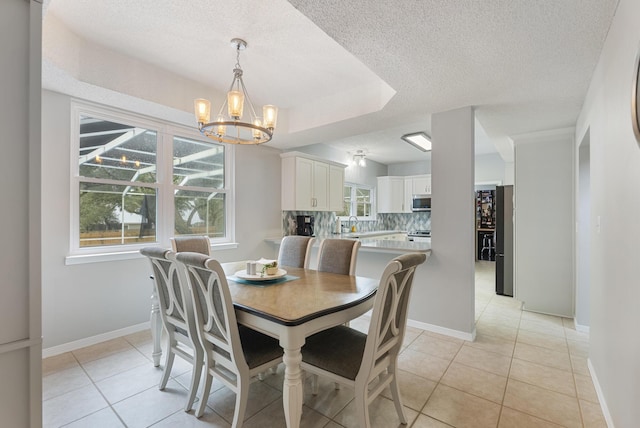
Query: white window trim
x=165, y=206
x=373, y=216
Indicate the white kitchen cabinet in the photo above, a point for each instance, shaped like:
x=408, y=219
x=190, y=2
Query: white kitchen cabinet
x=395, y=193
x=309, y=184
x=408, y=195
x=391, y=194
x=336, y=188
x=421, y=184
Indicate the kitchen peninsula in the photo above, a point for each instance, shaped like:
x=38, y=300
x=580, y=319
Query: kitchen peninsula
x=388, y=241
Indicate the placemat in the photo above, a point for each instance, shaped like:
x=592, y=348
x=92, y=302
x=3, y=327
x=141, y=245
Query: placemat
x=263, y=283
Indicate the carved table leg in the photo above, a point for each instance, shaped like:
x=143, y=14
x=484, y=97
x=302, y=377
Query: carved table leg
x=156, y=327
x=292, y=388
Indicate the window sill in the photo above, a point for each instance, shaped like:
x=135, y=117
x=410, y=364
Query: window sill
x=78, y=259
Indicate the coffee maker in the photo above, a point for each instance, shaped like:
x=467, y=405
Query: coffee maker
x=304, y=225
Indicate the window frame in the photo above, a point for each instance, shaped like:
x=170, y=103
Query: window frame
x=165, y=188
x=353, y=206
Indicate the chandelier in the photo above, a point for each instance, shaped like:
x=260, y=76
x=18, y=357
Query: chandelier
x=230, y=128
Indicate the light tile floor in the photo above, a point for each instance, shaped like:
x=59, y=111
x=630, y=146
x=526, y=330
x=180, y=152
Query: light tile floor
x=523, y=370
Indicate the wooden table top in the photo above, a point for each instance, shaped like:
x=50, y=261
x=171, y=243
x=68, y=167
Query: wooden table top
x=295, y=302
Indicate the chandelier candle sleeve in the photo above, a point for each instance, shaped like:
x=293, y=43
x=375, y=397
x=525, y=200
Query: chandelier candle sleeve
x=270, y=114
x=203, y=110
x=235, y=104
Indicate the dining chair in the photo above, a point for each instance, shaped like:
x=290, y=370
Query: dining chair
x=295, y=251
x=193, y=244
x=338, y=256
x=368, y=362
x=176, y=313
x=233, y=353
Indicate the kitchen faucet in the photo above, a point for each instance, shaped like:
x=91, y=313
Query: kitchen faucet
x=351, y=228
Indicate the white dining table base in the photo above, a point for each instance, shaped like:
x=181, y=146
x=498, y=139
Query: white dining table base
x=292, y=339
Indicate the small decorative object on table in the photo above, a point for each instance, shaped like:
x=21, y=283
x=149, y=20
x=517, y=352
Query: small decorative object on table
x=270, y=268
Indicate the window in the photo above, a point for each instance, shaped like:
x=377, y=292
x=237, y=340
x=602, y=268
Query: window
x=358, y=201
x=140, y=181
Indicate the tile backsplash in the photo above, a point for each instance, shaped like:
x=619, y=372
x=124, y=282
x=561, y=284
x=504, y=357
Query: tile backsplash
x=325, y=222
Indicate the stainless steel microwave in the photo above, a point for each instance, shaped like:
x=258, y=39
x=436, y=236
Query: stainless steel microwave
x=421, y=203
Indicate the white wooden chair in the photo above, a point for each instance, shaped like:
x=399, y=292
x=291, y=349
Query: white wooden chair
x=294, y=251
x=233, y=354
x=368, y=363
x=176, y=313
x=338, y=256
x=193, y=244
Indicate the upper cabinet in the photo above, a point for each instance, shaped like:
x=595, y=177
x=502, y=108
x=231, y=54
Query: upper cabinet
x=309, y=184
x=391, y=193
x=421, y=184
x=395, y=193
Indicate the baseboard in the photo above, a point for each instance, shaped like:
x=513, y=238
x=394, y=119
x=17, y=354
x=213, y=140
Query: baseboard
x=579, y=327
x=88, y=341
x=603, y=402
x=443, y=330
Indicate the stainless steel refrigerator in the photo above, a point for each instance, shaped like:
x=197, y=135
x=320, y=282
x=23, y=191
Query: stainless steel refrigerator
x=504, y=240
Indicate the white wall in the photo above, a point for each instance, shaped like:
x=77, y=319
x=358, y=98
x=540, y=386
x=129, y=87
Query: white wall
x=583, y=236
x=81, y=301
x=544, y=222
x=446, y=292
x=20, y=326
x=614, y=348
x=411, y=168
x=489, y=169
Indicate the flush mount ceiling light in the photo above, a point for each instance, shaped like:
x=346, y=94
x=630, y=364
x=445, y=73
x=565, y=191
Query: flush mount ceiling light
x=230, y=128
x=419, y=140
x=359, y=158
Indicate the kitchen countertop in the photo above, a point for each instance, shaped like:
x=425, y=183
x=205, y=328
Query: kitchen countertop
x=371, y=241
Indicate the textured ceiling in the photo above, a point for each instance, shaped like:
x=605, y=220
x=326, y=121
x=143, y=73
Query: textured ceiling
x=358, y=74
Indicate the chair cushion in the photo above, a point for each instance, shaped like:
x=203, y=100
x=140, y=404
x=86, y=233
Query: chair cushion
x=338, y=350
x=258, y=348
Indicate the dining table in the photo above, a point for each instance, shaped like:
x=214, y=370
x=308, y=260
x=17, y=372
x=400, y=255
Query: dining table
x=290, y=308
